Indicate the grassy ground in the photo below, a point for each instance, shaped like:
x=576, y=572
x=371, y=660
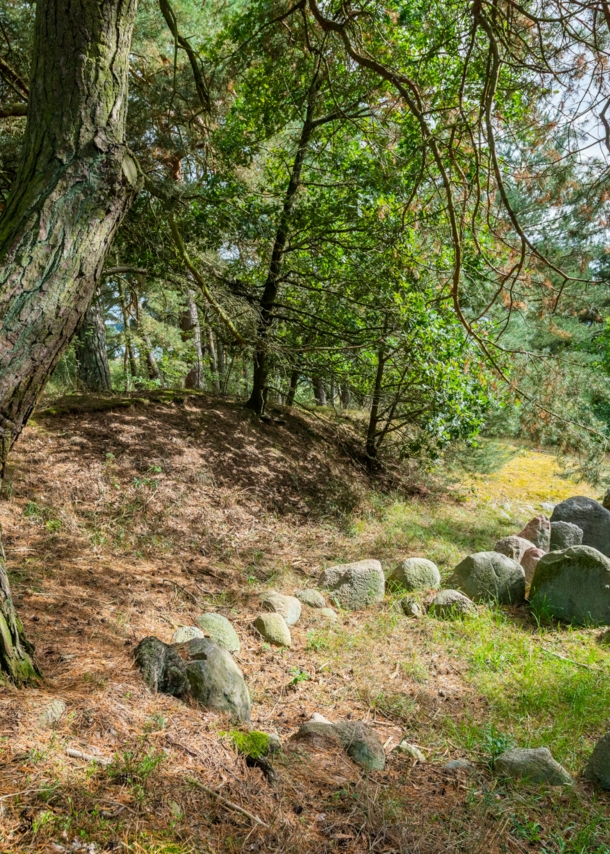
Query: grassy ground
x=128, y=522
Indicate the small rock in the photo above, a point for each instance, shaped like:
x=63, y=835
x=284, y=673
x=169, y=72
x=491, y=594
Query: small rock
x=220, y=630
x=564, y=535
x=355, y=585
x=215, y=680
x=186, y=633
x=458, y=765
x=410, y=750
x=52, y=713
x=359, y=741
x=491, y=577
x=574, y=585
x=273, y=628
x=598, y=766
x=538, y=532
x=449, y=604
x=529, y=562
x=415, y=573
x=513, y=547
x=534, y=765
x=317, y=718
x=411, y=608
x=288, y=606
x=313, y=598
x=327, y=614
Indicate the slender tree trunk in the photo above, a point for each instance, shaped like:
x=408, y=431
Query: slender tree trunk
x=130, y=353
x=152, y=368
x=292, y=388
x=213, y=361
x=344, y=395
x=191, y=330
x=371, y=435
x=319, y=392
x=74, y=184
x=16, y=652
x=267, y=303
x=91, y=353
x=222, y=364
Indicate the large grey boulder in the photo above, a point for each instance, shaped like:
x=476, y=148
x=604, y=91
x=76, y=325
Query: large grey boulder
x=535, y=765
x=355, y=585
x=513, y=547
x=215, y=680
x=415, y=573
x=598, y=766
x=288, y=606
x=311, y=597
x=564, y=535
x=220, y=630
x=199, y=669
x=162, y=668
x=574, y=586
x=538, y=532
x=359, y=741
x=591, y=517
x=491, y=577
x=273, y=629
x=450, y=604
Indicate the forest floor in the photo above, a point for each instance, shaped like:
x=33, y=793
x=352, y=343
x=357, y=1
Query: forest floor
x=126, y=522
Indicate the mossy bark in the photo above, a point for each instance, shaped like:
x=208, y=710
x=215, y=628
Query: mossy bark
x=16, y=652
x=74, y=184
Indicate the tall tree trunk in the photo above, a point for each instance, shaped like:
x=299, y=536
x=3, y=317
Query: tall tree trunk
x=74, y=184
x=191, y=330
x=222, y=365
x=16, y=652
x=344, y=395
x=91, y=354
x=130, y=353
x=292, y=388
x=213, y=361
x=371, y=435
x=267, y=303
x=319, y=392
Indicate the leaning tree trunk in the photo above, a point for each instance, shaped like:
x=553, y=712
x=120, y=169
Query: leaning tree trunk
x=74, y=184
x=91, y=353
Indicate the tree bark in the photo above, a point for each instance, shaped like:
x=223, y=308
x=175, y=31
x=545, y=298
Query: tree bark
x=74, y=184
x=191, y=330
x=152, y=368
x=292, y=388
x=16, y=652
x=319, y=392
x=260, y=377
x=371, y=435
x=344, y=395
x=130, y=354
x=91, y=355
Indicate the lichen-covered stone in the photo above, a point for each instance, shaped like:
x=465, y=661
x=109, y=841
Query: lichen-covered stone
x=186, y=633
x=410, y=750
x=310, y=597
x=355, y=585
x=451, y=604
x=411, y=608
x=590, y=517
x=513, y=547
x=215, y=680
x=272, y=627
x=220, y=630
x=415, y=573
x=564, y=535
x=573, y=585
x=533, y=765
x=491, y=577
x=52, y=713
x=360, y=742
x=288, y=606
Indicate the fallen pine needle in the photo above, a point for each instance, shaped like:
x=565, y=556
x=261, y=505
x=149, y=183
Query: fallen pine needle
x=228, y=803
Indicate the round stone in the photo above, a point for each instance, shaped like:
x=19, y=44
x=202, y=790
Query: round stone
x=186, y=633
x=313, y=598
x=273, y=629
x=288, y=606
x=415, y=573
x=220, y=630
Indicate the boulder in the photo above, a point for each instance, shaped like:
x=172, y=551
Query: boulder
x=186, y=633
x=449, y=604
x=288, y=606
x=220, y=630
x=214, y=679
x=411, y=608
x=410, y=750
x=591, y=517
x=513, y=547
x=415, y=573
x=574, y=586
x=536, y=765
x=163, y=670
x=529, y=562
x=538, y=532
x=313, y=598
x=359, y=741
x=355, y=585
x=273, y=628
x=491, y=577
x=564, y=535
x=598, y=766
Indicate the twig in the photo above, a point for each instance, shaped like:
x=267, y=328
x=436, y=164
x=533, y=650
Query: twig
x=14, y=794
x=571, y=661
x=88, y=757
x=228, y=803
